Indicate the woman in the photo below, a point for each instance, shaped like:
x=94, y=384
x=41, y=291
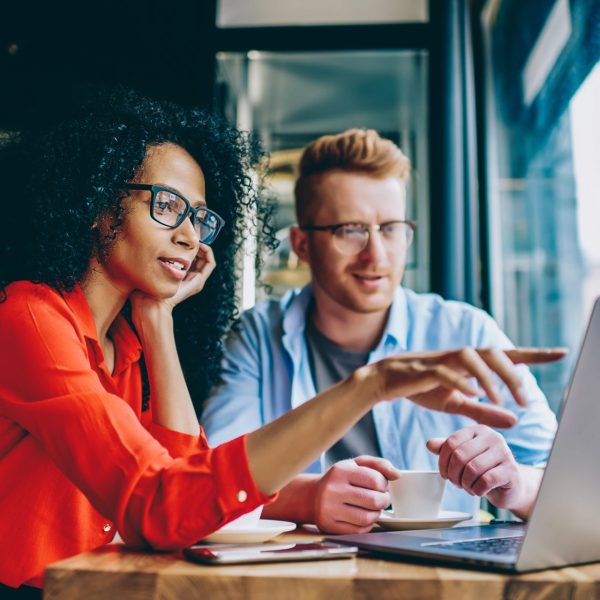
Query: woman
x=107, y=225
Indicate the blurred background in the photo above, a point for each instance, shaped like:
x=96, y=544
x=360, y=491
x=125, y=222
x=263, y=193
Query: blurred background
x=496, y=103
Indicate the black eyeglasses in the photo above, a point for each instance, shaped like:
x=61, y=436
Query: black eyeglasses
x=170, y=209
x=352, y=238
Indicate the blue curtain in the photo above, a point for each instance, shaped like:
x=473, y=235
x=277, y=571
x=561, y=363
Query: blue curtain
x=455, y=256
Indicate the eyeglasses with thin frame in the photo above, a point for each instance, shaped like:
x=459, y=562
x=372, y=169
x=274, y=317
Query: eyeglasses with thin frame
x=352, y=238
x=169, y=208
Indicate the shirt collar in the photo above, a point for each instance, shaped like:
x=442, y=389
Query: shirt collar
x=296, y=305
x=124, y=338
x=395, y=332
x=396, y=329
x=127, y=342
x=78, y=303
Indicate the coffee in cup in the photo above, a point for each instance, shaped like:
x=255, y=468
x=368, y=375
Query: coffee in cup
x=417, y=494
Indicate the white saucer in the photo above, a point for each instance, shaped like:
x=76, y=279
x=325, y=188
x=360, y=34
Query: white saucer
x=266, y=529
x=446, y=518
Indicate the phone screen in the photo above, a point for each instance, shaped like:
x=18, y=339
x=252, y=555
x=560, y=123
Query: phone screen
x=227, y=554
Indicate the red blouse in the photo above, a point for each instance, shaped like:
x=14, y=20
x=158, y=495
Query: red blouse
x=78, y=458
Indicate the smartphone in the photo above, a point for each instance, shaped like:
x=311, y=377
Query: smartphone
x=237, y=554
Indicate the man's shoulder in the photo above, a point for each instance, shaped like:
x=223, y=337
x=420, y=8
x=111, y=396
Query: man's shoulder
x=271, y=308
x=270, y=314
x=436, y=306
x=276, y=308
x=449, y=321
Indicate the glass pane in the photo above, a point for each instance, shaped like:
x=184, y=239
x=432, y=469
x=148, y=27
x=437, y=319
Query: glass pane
x=290, y=99
x=544, y=177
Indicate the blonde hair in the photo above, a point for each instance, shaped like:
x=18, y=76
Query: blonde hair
x=354, y=150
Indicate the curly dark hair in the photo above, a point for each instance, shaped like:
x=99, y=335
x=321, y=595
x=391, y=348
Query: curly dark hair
x=57, y=183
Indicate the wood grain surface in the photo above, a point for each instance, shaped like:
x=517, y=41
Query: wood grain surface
x=114, y=572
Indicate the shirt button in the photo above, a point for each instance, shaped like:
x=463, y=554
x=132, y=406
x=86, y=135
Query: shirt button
x=242, y=496
x=106, y=528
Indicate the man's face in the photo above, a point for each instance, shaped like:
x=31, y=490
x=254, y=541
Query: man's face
x=363, y=282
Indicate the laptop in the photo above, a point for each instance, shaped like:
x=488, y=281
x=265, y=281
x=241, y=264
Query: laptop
x=564, y=525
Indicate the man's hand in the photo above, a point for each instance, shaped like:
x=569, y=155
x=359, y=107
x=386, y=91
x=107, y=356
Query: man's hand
x=478, y=460
x=351, y=495
x=434, y=380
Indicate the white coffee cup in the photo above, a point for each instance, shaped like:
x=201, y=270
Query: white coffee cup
x=417, y=494
x=248, y=521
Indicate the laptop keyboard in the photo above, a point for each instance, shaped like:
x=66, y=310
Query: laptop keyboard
x=509, y=545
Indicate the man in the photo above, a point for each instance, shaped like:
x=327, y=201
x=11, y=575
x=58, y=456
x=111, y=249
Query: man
x=354, y=235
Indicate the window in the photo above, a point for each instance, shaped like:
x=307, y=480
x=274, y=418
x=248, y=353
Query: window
x=291, y=98
x=543, y=166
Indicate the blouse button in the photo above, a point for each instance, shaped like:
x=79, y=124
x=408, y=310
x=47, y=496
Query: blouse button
x=242, y=496
x=106, y=528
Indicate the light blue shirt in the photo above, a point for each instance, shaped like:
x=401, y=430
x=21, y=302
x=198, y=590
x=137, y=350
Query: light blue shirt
x=266, y=372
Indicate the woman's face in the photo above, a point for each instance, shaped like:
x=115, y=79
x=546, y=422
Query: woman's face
x=146, y=255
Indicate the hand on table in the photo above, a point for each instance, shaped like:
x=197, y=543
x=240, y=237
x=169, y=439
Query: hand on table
x=351, y=495
x=478, y=460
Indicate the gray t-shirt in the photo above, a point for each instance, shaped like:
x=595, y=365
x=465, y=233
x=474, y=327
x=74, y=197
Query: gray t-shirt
x=329, y=364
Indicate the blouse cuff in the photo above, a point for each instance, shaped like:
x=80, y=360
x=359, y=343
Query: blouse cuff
x=179, y=445
x=239, y=491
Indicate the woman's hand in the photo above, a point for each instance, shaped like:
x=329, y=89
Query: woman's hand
x=435, y=380
x=443, y=380
x=145, y=308
x=195, y=279
x=172, y=405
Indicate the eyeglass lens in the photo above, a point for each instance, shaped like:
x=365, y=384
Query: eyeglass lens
x=207, y=226
x=351, y=239
x=170, y=209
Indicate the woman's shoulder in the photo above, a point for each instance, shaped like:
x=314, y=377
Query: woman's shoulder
x=25, y=297
x=37, y=315
x=30, y=291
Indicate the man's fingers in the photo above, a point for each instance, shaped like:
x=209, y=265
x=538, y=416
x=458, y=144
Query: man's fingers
x=458, y=459
x=365, y=499
x=368, y=478
x=384, y=466
x=357, y=517
x=434, y=445
x=452, y=445
x=477, y=467
x=490, y=480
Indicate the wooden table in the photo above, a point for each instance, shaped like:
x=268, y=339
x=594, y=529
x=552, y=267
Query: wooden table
x=115, y=573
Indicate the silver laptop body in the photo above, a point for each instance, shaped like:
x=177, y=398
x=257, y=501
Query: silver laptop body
x=564, y=526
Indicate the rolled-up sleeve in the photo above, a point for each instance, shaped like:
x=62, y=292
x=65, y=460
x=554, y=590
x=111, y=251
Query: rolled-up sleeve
x=155, y=497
